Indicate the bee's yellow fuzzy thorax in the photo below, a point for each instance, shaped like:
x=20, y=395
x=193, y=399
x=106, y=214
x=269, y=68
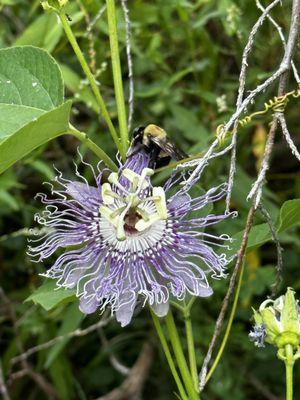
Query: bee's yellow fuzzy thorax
x=154, y=131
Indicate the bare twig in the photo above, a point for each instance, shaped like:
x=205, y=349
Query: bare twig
x=275, y=238
x=90, y=36
x=129, y=63
x=281, y=35
x=132, y=386
x=3, y=388
x=257, y=186
x=256, y=190
x=287, y=136
x=286, y=62
x=219, y=323
x=24, y=232
x=95, y=20
x=241, y=90
x=70, y=335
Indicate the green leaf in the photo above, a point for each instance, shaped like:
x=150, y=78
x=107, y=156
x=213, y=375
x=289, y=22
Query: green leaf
x=71, y=321
x=29, y=76
x=63, y=378
x=259, y=235
x=9, y=200
x=46, y=127
x=48, y=296
x=289, y=215
x=46, y=31
x=9, y=123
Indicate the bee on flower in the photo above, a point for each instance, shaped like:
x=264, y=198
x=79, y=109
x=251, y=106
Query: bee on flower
x=126, y=241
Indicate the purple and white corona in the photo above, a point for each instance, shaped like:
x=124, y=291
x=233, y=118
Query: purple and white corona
x=127, y=241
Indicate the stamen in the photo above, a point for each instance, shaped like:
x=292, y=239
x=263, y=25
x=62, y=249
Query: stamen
x=161, y=205
x=132, y=202
x=141, y=225
x=143, y=214
x=113, y=178
x=108, y=195
x=120, y=224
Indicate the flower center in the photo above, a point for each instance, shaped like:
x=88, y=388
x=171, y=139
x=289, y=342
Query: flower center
x=134, y=209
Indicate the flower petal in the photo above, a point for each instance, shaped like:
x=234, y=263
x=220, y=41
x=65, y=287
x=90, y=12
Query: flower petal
x=126, y=307
x=160, y=309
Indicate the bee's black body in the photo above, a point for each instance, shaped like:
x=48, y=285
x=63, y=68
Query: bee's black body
x=154, y=141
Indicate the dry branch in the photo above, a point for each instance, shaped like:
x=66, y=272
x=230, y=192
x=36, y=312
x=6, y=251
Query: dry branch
x=256, y=190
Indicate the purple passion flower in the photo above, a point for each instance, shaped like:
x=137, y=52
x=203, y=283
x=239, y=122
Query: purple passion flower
x=125, y=240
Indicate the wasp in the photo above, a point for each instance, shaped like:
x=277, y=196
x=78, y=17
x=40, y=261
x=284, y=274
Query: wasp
x=155, y=141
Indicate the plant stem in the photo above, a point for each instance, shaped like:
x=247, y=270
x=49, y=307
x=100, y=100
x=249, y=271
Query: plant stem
x=168, y=355
x=191, y=346
x=86, y=69
x=289, y=364
x=181, y=361
x=93, y=147
x=229, y=325
x=117, y=75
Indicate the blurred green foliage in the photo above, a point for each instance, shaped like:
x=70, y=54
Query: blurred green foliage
x=186, y=57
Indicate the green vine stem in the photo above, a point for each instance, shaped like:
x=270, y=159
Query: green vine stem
x=289, y=365
x=117, y=75
x=71, y=37
x=168, y=355
x=229, y=325
x=191, y=345
x=179, y=355
x=93, y=147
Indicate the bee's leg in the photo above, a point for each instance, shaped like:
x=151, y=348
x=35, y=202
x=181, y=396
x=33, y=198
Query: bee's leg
x=154, y=152
x=134, y=149
x=162, y=161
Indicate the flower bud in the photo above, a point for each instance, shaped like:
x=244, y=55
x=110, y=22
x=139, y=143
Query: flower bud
x=277, y=322
x=53, y=5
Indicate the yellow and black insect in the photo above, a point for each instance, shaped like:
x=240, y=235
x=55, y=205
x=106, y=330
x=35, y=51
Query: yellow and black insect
x=154, y=140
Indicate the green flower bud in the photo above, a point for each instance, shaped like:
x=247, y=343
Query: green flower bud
x=53, y=5
x=278, y=322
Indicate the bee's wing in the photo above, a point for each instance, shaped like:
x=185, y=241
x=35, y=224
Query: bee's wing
x=170, y=148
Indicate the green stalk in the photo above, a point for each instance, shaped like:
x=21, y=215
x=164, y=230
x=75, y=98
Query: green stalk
x=191, y=346
x=93, y=147
x=181, y=361
x=168, y=355
x=229, y=325
x=289, y=365
x=86, y=69
x=117, y=75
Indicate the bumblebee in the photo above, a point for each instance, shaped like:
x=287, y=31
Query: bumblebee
x=154, y=140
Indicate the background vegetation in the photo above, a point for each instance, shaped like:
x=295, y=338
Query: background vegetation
x=186, y=60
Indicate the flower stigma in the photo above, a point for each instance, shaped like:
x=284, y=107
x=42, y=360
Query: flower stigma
x=133, y=209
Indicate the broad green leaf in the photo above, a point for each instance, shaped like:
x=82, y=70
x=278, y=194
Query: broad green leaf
x=48, y=296
x=29, y=76
x=71, y=321
x=46, y=127
x=289, y=215
x=13, y=117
